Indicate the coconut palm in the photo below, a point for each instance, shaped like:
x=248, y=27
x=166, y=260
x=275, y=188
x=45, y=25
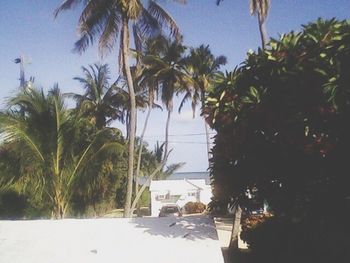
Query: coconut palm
x=43, y=133
x=259, y=8
x=141, y=95
x=167, y=70
x=100, y=102
x=106, y=20
x=203, y=67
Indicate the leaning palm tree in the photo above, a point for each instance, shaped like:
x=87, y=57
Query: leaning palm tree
x=100, y=103
x=106, y=20
x=203, y=67
x=167, y=69
x=259, y=8
x=43, y=133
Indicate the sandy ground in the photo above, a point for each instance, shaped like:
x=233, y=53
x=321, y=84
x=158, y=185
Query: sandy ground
x=167, y=240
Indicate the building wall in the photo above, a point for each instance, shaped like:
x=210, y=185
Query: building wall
x=203, y=196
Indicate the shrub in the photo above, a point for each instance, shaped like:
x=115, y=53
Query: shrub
x=194, y=207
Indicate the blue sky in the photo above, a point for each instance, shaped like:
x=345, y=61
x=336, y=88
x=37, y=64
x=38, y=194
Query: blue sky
x=28, y=27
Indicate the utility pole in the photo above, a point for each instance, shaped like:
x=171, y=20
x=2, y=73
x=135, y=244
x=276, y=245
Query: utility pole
x=22, y=78
x=23, y=83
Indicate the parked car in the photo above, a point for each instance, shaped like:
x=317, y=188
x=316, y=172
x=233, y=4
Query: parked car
x=170, y=210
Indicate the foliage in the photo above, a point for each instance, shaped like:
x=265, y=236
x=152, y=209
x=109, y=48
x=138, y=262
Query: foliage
x=55, y=149
x=282, y=126
x=12, y=204
x=202, y=66
x=101, y=102
x=165, y=65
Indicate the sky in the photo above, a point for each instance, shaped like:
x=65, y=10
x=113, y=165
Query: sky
x=28, y=28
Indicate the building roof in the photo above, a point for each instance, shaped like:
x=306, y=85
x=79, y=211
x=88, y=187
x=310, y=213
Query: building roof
x=190, y=176
x=182, y=176
x=177, y=186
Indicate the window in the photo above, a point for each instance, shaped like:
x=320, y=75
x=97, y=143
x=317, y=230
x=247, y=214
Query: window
x=191, y=194
x=163, y=196
x=160, y=197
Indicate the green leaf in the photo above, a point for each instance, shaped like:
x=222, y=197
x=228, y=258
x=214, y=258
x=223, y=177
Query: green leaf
x=222, y=95
x=253, y=91
x=321, y=71
x=212, y=99
x=270, y=57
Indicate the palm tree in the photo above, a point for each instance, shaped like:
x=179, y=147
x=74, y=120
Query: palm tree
x=106, y=20
x=261, y=9
x=203, y=67
x=43, y=133
x=141, y=95
x=167, y=70
x=101, y=104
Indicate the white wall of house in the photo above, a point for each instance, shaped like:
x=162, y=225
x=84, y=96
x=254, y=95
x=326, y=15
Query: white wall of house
x=178, y=192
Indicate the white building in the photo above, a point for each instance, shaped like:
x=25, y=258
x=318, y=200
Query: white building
x=180, y=188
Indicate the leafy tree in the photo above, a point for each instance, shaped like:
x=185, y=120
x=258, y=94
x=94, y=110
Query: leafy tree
x=44, y=133
x=282, y=131
x=106, y=20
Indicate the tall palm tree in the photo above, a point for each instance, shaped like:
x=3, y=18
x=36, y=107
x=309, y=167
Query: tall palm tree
x=203, y=67
x=106, y=20
x=141, y=95
x=167, y=69
x=100, y=103
x=261, y=9
x=149, y=84
x=44, y=133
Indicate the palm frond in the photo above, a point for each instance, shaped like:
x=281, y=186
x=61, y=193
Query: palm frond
x=67, y=4
x=187, y=96
x=109, y=34
x=164, y=18
x=147, y=25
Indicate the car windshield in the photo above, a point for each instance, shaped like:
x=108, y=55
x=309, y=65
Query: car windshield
x=170, y=209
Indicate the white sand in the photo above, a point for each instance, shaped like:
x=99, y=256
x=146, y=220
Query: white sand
x=145, y=240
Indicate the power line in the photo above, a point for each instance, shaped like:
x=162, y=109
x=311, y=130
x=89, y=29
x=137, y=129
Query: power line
x=180, y=135
x=183, y=142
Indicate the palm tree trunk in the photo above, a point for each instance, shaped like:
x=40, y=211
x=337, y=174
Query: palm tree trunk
x=127, y=124
x=125, y=45
x=206, y=126
x=233, y=246
x=262, y=29
x=167, y=135
x=207, y=138
x=140, y=153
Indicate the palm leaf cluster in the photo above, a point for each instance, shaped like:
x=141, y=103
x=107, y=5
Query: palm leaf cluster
x=103, y=20
x=101, y=102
